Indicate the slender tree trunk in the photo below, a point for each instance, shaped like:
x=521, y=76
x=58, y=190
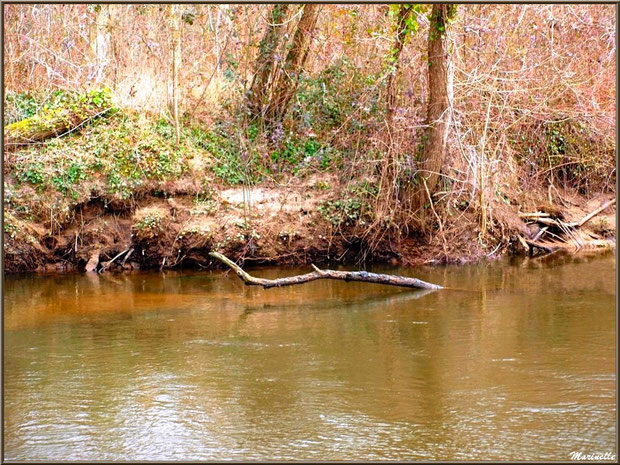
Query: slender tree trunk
x=397, y=48
x=176, y=66
x=100, y=40
x=294, y=64
x=439, y=113
x=388, y=174
x=215, y=27
x=266, y=60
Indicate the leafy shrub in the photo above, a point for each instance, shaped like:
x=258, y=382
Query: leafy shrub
x=19, y=106
x=341, y=212
x=567, y=152
x=66, y=180
x=233, y=164
x=149, y=221
x=340, y=93
x=32, y=172
x=353, y=207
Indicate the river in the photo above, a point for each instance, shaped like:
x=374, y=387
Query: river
x=197, y=366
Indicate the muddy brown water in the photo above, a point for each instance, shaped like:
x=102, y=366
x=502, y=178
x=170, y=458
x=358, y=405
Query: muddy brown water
x=197, y=366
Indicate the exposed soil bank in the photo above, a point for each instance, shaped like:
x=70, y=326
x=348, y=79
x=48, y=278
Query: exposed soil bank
x=277, y=225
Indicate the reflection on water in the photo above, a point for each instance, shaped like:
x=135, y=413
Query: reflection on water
x=182, y=366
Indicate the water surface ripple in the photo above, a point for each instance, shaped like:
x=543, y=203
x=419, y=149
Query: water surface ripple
x=197, y=366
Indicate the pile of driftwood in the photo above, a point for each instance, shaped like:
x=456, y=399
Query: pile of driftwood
x=552, y=233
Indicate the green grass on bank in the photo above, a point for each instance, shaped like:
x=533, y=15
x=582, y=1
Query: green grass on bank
x=124, y=152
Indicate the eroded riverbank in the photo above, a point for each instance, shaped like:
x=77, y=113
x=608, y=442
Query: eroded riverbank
x=282, y=225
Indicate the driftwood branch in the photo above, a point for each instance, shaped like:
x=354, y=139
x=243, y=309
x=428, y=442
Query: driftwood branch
x=361, y=276
x=107, y=265
x=596, y=212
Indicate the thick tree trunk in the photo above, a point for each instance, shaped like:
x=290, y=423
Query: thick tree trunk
x=265, y=63
x=439, y=116
x=362, y=276
x=295, y=62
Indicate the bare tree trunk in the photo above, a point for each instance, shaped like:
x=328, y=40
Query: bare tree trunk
x=397, y=48
x=265, y=62
x=388, y=174
x=176, y=65
x=439, y=116
x=216, y=29
x=100, y=40
x=295, y=63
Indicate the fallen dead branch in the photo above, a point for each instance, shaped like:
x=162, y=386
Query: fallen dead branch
x=107, y=265
x=126, y=257
x=541, y=246
x=596, y=212
x=533, y=215
x=540, y=233
x=361, y=276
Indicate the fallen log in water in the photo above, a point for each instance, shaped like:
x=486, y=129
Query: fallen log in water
x=361, y=276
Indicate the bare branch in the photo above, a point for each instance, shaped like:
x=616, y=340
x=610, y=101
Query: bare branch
x=361, y=276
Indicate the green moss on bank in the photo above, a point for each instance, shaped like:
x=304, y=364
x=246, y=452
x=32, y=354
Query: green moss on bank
x=125, y=154
x=63, y=112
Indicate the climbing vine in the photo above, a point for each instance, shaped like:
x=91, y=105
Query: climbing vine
x=406, y=22
x=441, y=18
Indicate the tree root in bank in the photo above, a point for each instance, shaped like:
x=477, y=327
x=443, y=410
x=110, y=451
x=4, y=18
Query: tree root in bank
x=361, y=276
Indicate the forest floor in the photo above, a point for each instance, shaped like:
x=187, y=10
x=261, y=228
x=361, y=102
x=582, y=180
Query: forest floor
x=119, y=195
